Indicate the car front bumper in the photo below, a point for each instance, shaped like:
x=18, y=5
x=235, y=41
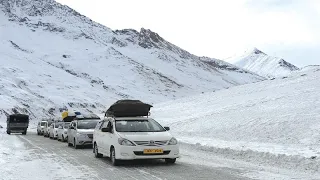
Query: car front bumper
x=137, y=152
x=83, y=140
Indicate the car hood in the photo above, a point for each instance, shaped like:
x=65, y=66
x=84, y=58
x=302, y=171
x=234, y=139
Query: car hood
x=146, y=136
x=85, y=131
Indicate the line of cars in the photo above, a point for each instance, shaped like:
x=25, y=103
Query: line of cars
x=125, y=133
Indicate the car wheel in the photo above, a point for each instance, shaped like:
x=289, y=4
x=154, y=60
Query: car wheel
x=8, y=132
x=75, y=144
x=96, y=151
x=38, y=133
x=170, y=161
x=24, y=132
x=114, y=161
x=69, y=144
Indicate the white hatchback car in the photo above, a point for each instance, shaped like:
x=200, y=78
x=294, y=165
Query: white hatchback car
x=40, y=127
x=128, y=138
x=47, y=128
x=53, y=130
x=63, y=131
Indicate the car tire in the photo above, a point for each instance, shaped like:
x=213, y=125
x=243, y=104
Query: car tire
x=96, y=151
x=24, y=132
x=170, y=161
x=69, y=144
x=38, y=133
x=8, y=132
x=114, y=161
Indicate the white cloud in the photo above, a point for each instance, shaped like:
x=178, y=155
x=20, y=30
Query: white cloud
x=217, y=28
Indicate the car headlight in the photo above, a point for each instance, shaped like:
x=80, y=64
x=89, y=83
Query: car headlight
x=173, y=141
x=125, y=142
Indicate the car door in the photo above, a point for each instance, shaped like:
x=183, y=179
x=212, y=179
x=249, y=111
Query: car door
x=70, y=132
x=51, y=129
x=107, y=137
x=97, y=132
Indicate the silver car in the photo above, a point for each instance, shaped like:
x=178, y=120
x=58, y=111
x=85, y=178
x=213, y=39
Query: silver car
x=80, y=132
x=63, y=131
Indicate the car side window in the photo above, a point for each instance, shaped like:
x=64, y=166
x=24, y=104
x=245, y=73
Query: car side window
x=104, y=124
x=111, y=126
x=99, y=125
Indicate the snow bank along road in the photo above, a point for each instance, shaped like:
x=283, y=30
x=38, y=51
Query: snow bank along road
x=39, y=158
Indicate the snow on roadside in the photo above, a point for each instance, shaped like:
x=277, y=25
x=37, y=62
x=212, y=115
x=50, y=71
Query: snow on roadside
x=273, y=122
x=17, y=162
x=195, y=154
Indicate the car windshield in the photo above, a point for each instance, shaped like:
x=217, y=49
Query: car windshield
x=57, y=125
x=43, y=123
x=87, y=124
x=66, y=125
x=148, y=125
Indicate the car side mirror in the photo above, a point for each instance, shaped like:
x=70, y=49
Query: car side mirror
x=105, y=129
x=167, y=128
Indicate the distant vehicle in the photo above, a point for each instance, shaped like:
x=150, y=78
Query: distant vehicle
x=126, y=134
x=17, y=123
x=53, y=130
x=63, y=131
x=47, y=128
x=40, y=127
x=81, y=129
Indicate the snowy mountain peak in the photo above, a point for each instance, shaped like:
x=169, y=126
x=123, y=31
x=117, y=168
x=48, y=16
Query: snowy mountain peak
x=259, y=62
x=256, y=51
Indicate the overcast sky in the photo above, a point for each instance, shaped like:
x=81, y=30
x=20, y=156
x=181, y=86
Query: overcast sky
x=219, y=28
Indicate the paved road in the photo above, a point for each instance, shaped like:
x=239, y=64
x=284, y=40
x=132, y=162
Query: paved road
x=92, y=168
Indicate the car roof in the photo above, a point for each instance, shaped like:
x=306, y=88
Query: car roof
x=131, y=118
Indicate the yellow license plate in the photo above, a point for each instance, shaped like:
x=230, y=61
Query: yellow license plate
x=153, y=151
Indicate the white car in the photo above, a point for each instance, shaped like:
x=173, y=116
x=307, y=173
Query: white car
x=80, y=132
x=129, y=138
x=46, y=128
x=40, y=127
x=53, y=130
x=63, y=131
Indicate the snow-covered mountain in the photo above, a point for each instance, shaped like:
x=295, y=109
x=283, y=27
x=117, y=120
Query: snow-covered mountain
x=263, y=64
x=53, y=57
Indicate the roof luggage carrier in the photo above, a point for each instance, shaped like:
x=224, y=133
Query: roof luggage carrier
x=128, y=108
x=68, y=116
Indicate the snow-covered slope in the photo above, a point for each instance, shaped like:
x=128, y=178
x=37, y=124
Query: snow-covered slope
x=263, y=64
x=279, y=116
x=52, y=57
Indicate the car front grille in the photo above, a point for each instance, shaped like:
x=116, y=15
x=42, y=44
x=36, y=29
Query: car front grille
x=150, y=143
x=90, y=136
x=140, y=153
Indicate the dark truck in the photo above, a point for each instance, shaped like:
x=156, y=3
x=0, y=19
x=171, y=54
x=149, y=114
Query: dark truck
x=18, y=123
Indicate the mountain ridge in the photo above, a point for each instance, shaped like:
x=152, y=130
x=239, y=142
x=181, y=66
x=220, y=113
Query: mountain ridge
x=55, y=57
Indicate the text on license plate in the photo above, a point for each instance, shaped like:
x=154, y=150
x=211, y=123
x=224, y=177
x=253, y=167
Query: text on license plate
x=153, y=151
